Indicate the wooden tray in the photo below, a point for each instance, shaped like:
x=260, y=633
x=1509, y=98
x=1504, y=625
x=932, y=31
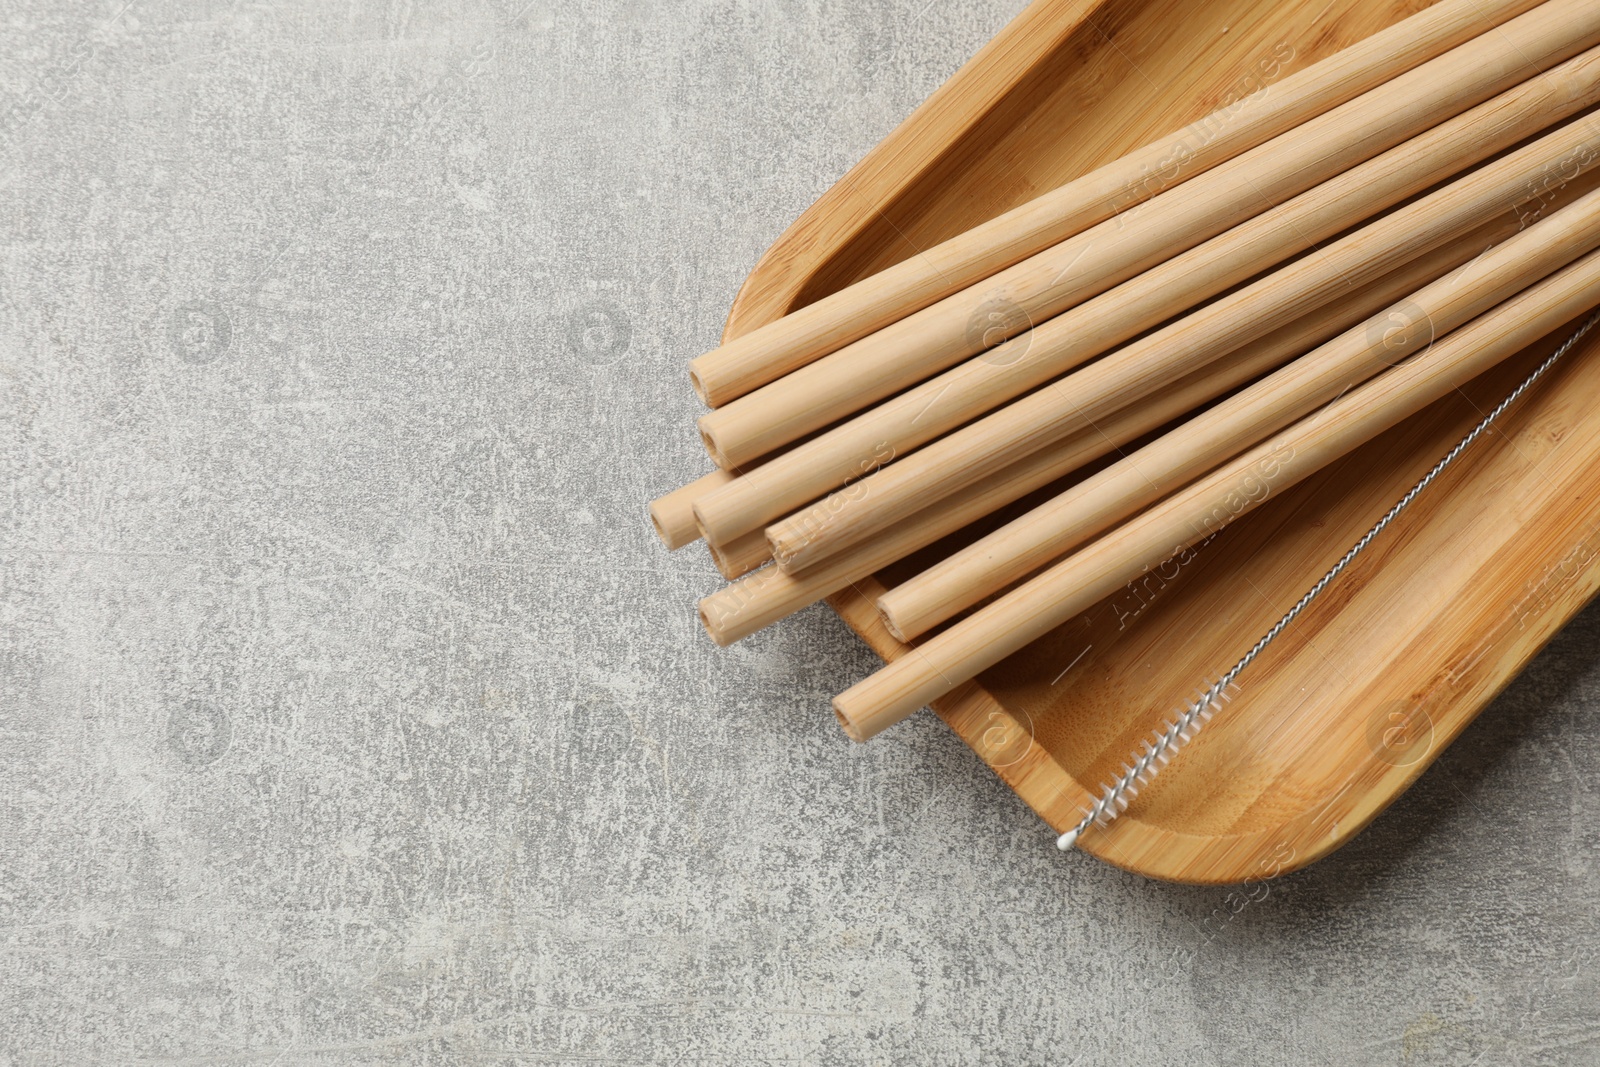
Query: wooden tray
x=1350, y=706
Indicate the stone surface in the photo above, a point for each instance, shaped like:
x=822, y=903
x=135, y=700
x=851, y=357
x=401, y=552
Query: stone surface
x=351, y=713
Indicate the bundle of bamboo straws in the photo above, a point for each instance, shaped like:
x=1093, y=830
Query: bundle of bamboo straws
x=1373, y=232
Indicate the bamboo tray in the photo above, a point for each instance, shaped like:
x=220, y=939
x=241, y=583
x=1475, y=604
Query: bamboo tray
x=1354, y=702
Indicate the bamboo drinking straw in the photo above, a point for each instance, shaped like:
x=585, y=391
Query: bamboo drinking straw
x=1118, y=379
x=1206, y=441
x=741, y=555
x=979, y=385
x=766, y=354
x=740, y=609
x=948, y=659
x=1082, y=267
x=673, y=515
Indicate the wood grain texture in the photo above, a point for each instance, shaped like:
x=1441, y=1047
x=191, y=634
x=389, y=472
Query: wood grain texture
x=1161, y=234
x=1340, y=716
x=769, y=595
x=1123, y=377
x=1142, y=477
x=991, y=137
x=1246, y=120
x=1170, y=533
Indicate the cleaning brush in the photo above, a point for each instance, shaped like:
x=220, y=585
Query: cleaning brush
x=1155, y=753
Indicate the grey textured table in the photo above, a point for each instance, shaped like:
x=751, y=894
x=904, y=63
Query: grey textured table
x=352, y=713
